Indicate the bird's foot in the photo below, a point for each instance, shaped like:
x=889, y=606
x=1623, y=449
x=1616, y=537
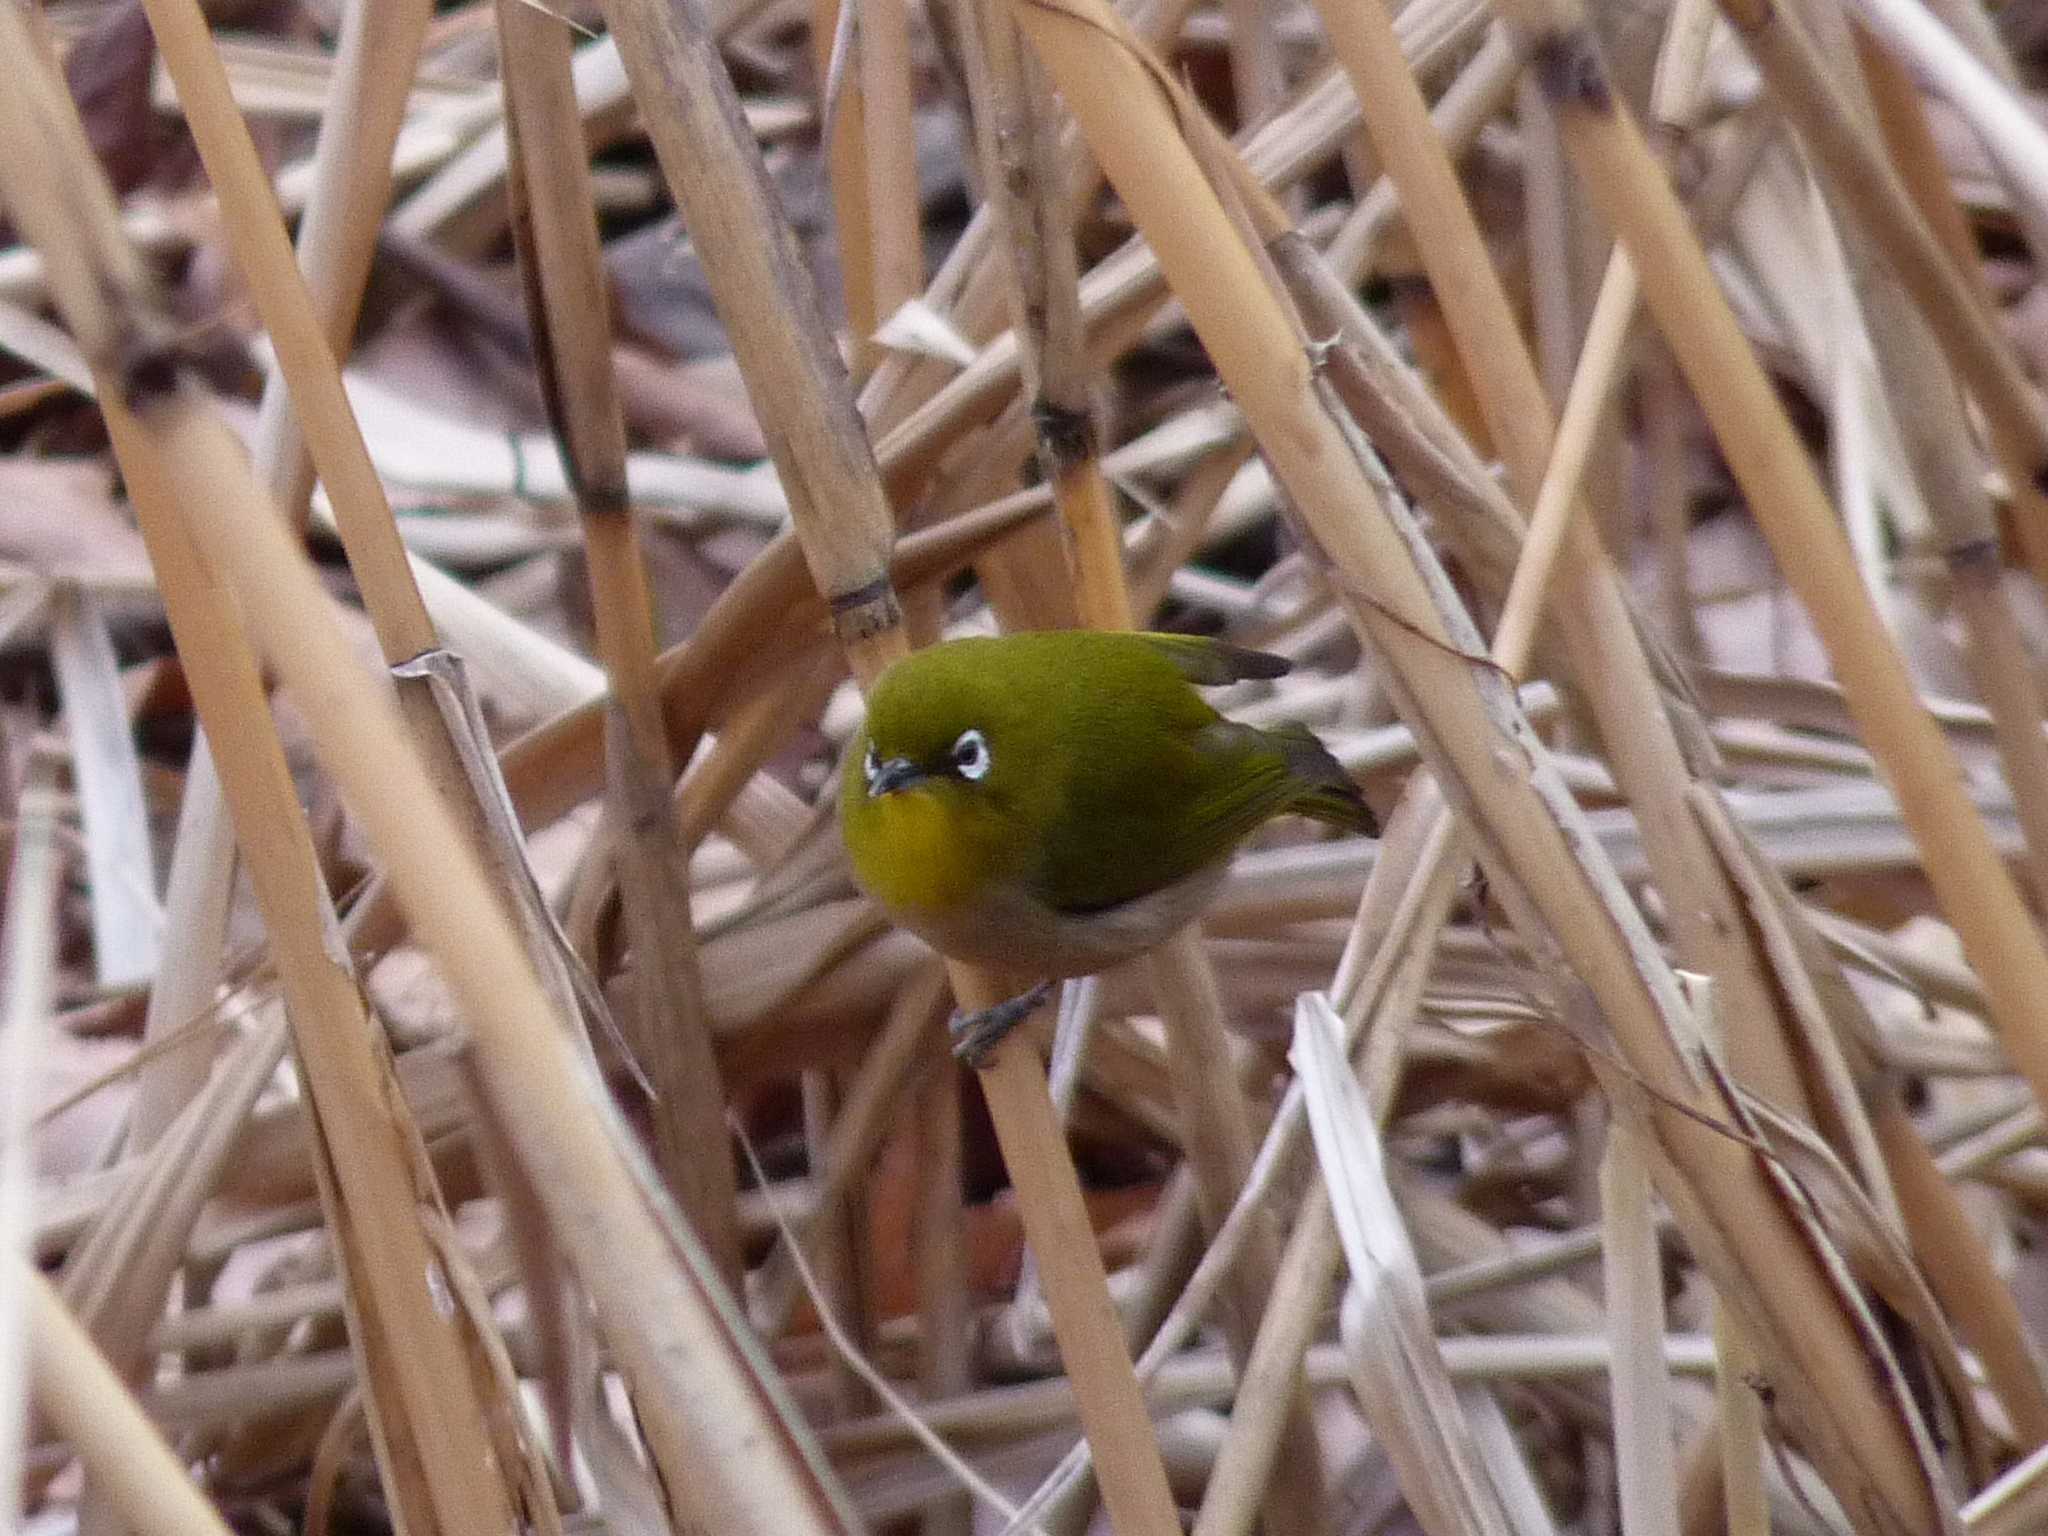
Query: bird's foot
x=975, y=1035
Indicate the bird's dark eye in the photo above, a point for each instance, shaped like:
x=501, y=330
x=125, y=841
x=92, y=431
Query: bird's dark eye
x=970, y=755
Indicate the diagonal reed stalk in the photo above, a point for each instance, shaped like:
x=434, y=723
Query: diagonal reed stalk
x=1970, y=880
x=1558, y=892
x=87, y=1402
x=223, y=558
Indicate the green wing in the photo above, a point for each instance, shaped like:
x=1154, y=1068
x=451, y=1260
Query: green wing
x=1190, y=809
x=1270, y=772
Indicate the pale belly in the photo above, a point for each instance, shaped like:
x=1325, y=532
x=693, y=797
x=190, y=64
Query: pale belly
x=1010, y=930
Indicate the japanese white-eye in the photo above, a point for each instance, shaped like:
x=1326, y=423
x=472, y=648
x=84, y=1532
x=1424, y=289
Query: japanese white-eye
x=1058, y=802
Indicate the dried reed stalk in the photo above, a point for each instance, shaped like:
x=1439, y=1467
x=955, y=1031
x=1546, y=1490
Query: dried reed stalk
x=1969, y=878
x=264, y=253
x=430, y=686
x=374, y=64
x=89, y=1406
x=1945, y=463
x=651, y=1284
x=1865, y=181
x=1764, y=1261
x=433, y=1430
x=1909, y=140
x=1022, y=168
x=1633, y=1271
x=562, y=267
x=1603, y=644
x=843, y=522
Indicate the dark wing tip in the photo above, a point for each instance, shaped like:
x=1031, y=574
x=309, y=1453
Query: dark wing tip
x=1211, y=663
x=1328, y=793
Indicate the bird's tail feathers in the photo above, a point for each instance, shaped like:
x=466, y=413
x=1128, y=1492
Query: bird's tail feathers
x=1327, y=793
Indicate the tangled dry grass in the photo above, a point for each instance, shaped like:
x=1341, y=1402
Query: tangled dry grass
x=462, y=467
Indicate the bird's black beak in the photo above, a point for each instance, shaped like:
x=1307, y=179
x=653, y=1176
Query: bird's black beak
x=897, y=773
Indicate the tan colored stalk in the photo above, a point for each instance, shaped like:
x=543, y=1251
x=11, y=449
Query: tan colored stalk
x=654, y=1290
x=1217, y=1135
x=836, y=44
x=264, y=254
x=1959, y=1268
x=1739, y=1436
x=1632, y=1271
x=562, y=268
x=1531, y=837
x=889, y=160
x=944, y=1295
x=429, y=682
x=1410, y=894
x=1282, y=150
x=657, y=1292
x=970, y=289
x=1976, y=892
x=121, y=1448
x=843, y=522
x=438, y=1452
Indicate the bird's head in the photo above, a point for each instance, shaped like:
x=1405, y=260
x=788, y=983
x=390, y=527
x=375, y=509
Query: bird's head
x=941, y=783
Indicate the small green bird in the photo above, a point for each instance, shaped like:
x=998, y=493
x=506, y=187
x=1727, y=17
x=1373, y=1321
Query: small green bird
x=1058, y=802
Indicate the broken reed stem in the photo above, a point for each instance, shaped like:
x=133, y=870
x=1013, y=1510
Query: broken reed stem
x=87, y=1403
x=1531, y=834
x=563, y=276
x=842, y=518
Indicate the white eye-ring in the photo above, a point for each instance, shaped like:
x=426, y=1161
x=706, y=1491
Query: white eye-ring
x=870, y=766
x=970, y=755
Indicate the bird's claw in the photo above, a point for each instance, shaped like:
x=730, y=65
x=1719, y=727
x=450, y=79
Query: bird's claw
x=977, y=1034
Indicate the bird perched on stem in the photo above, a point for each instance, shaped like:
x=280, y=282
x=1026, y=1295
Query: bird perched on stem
x=1059, y=802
